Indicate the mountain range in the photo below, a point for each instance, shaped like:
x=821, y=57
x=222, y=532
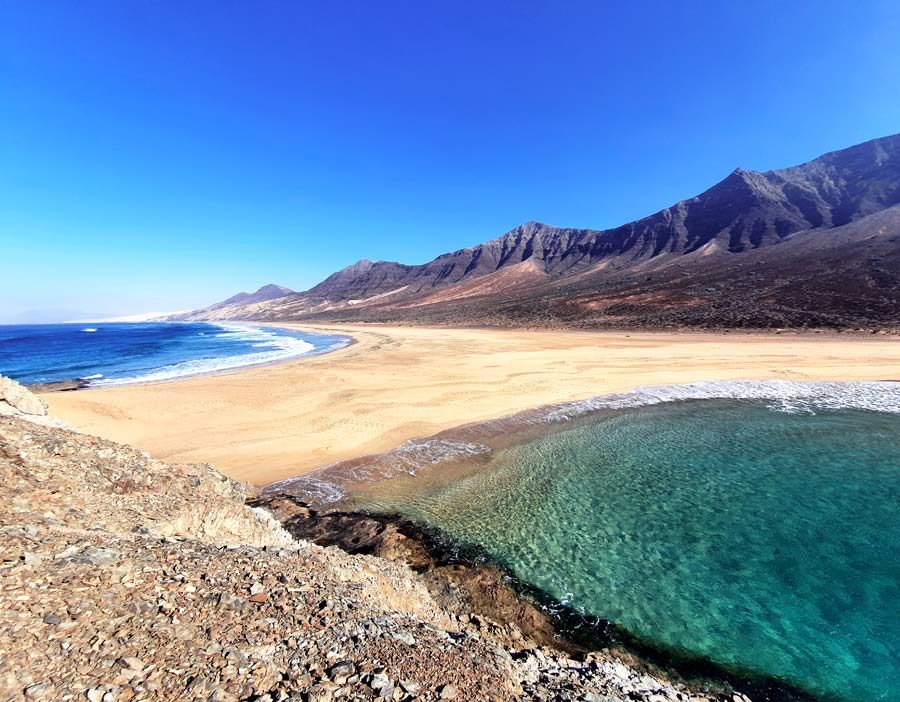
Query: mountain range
x=815, y=245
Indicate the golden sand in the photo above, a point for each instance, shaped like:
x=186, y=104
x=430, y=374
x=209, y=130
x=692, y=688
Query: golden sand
x=396, y=383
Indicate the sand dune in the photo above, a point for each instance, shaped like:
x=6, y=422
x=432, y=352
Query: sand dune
x=397, y=383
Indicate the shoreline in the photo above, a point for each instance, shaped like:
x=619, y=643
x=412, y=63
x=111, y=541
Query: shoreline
x=393, y=384
x=488, y=591
x=274, y=616
x=349, y=524
x=84, y=383
x=465, y=446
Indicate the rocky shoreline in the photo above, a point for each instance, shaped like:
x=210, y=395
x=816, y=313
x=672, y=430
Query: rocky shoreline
x=482, y=592
x=126, y=578
x=60, y=386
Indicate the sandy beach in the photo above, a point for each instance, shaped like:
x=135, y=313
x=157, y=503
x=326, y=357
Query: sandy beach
x=397, y=383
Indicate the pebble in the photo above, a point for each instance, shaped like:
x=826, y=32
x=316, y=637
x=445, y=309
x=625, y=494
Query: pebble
x=340, y=672
x=405, y=637
x=39, y=691
x=379, y=680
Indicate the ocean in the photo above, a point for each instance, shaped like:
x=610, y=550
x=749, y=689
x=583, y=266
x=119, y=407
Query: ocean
x=753, y=526
x=119, y=353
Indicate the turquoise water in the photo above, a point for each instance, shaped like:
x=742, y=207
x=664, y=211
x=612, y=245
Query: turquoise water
x=765, y=541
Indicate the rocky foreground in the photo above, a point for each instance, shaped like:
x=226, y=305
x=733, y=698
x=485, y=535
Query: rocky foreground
x=125, y=578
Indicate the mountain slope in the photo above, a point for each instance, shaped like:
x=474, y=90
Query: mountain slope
x=266, y=292
x=237, y=306
x=572, y=273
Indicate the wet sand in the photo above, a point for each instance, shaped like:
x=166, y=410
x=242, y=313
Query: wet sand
x=397, y=383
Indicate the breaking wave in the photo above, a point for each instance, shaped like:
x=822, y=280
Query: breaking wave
x=780, y=395
x=272, y=347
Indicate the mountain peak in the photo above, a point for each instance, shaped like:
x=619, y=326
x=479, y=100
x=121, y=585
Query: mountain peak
x=362, y=263
x=272, y=288
x=266, y=292
x=534, y=226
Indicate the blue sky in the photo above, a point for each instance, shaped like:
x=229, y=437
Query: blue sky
x=164, y=155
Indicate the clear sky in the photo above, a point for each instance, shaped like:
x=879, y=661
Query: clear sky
x=164, y=155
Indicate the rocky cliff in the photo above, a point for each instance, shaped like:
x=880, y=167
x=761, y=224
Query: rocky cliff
x=124, y=578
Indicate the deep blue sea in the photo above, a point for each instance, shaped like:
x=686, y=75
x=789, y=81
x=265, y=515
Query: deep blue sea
x=120, y=353
x=762, y=535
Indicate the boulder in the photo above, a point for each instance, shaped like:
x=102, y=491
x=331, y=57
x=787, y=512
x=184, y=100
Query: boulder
x=20, y=398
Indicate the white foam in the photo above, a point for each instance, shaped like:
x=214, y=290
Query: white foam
x=326, y=485
x=417, y=453
x=780, y=395
x=277, y=348
x=314, y=490
x=96, y=376
x=89, y=329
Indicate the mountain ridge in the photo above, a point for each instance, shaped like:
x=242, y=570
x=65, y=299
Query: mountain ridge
x=744, y=212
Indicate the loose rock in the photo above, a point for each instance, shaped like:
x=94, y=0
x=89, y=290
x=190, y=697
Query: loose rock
x=125, y=578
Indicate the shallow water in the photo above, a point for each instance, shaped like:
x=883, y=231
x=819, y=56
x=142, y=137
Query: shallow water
x=119, y=353
x=764, y=540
